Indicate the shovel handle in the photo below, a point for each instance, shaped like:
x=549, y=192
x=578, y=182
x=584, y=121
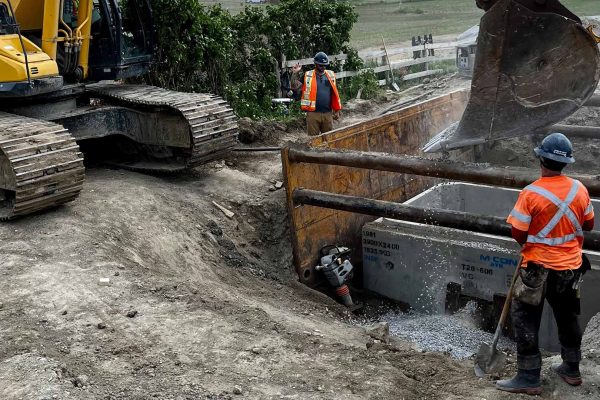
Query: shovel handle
x=506, y=306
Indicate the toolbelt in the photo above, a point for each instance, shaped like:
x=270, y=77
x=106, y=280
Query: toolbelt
x=530, y=285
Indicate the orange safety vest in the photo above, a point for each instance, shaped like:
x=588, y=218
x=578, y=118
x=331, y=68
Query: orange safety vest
x=552, y=210
x=308, y=101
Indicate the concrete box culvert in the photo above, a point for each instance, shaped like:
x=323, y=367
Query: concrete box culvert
x=418, y=263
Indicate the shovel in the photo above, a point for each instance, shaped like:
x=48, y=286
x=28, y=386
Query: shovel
x=488, y=359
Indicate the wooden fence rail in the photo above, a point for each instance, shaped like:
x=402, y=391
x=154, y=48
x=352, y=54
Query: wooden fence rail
x=380, y=59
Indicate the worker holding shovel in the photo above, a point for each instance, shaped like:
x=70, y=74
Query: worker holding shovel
x=548, y=220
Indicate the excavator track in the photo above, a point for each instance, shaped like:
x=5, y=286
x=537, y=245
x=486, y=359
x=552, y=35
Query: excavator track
x=40, y=166
x=213, y=127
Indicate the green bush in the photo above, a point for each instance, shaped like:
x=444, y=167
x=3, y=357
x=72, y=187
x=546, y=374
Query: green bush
x=366, y=82
x=207, y=49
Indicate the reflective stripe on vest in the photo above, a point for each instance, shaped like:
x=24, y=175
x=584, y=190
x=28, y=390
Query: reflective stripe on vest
x=521, y=217
x=305, y=102
x=308, y=102
x=563, y=211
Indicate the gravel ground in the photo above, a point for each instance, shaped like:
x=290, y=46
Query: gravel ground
x=457, y=335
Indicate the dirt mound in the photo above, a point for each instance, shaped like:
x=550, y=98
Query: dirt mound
x=155, y=293
x=267, y=132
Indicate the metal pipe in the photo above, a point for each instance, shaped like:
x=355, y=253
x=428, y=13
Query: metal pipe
x=78, y=34
x=62, y=21
x=447, y=218
x=257, y=149
x=467, y=172
x=592, y=132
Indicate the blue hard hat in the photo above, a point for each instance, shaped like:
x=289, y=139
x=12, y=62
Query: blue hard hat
x=557, y=147
x=321, y=59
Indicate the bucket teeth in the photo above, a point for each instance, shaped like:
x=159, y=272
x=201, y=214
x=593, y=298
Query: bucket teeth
x=533, y=68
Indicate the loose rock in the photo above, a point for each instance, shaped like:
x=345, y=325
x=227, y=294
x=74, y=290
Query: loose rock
x=81, y=381
x=101, y=325
x=132, y=313
x=379, y=331
x=104, y=281
x=237, y=390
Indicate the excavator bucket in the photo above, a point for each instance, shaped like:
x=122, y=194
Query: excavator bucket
x=535, y=65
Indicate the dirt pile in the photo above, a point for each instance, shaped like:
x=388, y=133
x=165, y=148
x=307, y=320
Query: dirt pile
x=266, y=132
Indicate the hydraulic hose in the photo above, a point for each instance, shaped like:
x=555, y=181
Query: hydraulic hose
x=16, y=26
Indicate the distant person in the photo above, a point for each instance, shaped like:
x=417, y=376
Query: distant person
x=291, y=87
x=320, y=98
x=548, y=220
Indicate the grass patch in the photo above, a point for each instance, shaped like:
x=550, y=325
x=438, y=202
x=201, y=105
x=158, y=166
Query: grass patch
x=449, y=66
x=409, y=10
x=439, y=17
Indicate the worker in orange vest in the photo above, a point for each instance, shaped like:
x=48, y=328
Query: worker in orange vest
x=548, y=220
x=320, y=98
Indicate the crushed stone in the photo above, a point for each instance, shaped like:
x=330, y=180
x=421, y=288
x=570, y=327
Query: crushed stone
x=456, y=335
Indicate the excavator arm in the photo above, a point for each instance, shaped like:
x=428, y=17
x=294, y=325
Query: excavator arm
x=535, y=65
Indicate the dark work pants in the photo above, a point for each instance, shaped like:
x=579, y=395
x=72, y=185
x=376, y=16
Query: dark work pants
x=526, y=318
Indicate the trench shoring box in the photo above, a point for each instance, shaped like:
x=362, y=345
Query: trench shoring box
x=400, y=132
x=414, y=263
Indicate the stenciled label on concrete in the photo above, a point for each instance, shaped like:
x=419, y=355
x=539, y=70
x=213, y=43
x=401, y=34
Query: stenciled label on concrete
x=485, y=275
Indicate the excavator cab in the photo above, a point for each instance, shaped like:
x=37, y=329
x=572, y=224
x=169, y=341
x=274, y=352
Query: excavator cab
x=123, y=39
x=72, y=41
x=535, y=65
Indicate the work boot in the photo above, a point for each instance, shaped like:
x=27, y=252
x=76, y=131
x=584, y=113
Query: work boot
x=569, y=372
x=526, y=381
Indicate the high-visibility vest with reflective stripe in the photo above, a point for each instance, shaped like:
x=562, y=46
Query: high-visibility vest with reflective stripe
x=562, y=211
x=553, y=210
x=308, y=101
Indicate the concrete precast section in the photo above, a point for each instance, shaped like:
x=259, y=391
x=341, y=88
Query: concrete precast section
x=415, y=263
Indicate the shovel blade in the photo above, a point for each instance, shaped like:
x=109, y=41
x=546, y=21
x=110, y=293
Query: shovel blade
x=489, y=360
x=535, y=65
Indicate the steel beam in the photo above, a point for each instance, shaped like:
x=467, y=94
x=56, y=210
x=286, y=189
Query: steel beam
x=430, y=216
x=513, y=177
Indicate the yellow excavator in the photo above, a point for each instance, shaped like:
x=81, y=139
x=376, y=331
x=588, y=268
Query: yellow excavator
x=61, y=62
x=535, y=65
